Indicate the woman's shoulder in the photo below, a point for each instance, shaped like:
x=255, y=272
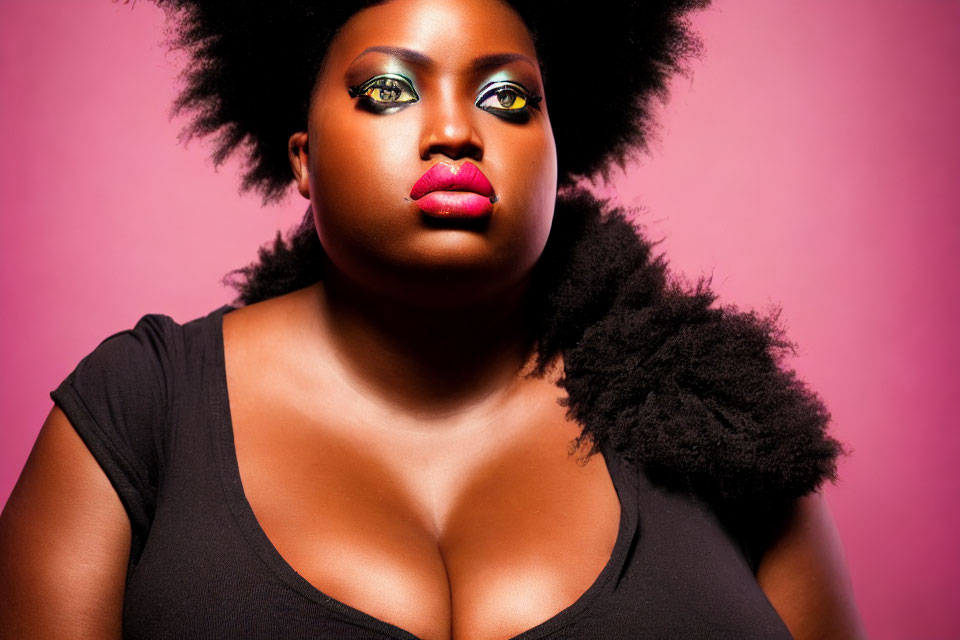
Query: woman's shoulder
x=123, y=395
x=157, y=339
x=269, y=325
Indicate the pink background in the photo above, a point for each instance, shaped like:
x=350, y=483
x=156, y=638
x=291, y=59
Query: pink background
x=810, y=161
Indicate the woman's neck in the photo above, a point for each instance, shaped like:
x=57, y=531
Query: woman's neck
x=431, y=361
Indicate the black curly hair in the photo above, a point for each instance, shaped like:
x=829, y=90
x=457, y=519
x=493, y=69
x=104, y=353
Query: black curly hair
x=695, y=393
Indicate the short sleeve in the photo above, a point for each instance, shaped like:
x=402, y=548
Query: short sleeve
x=119, y=401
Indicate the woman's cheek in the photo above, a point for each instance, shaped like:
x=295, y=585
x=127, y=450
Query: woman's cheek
x=361, y=173
x=538, y=187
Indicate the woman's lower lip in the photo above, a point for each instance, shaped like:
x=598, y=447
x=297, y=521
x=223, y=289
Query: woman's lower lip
x=455, y=204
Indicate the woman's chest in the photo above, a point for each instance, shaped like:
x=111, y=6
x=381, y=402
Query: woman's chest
x=484, y=534
x=209, y=569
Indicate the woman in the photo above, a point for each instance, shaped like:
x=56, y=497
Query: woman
x=372, y=447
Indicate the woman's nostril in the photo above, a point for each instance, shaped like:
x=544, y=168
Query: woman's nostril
x=458, y=152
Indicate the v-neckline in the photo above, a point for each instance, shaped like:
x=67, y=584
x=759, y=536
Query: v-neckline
x=229, y=473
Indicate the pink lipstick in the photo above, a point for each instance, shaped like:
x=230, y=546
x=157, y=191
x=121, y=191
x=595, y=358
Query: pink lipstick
x=454, y=191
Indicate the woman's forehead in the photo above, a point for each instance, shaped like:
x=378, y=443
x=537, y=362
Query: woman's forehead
x=452, y=31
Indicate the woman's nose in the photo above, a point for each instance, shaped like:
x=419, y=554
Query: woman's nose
x=450, y=129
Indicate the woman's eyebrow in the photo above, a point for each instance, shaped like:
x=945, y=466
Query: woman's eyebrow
x=479, y=63
x=407, y=55
x=500, y=59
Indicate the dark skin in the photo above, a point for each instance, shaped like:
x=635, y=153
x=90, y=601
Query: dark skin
x=385, y=412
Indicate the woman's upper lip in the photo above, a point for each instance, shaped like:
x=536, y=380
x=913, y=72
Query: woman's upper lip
x=452, y=177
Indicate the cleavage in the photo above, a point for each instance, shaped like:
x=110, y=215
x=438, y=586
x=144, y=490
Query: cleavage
x=482, y=538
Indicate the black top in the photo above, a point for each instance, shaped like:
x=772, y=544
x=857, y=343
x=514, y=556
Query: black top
x=151, y=405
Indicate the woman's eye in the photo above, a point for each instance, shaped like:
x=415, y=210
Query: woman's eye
x=386, y=92
x=508, y=100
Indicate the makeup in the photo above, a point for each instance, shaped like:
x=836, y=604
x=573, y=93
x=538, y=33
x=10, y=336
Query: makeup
x=385, y=93
x=454, y=191
x=508, y=100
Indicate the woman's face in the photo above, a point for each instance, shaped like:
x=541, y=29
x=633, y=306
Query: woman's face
x=418, y=101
